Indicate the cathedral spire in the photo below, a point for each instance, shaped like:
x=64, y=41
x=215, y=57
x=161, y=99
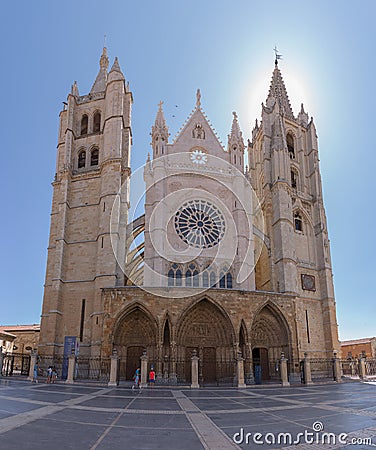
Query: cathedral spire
x=115, y=72
x=235, y=134
x=100, y=82
x=236, y=143
x=160, y=121
x=159, y=132
x=279, y=93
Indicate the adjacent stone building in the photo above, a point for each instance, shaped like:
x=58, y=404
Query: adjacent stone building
x=356, y=348
x=19, y=338
x=231, y=258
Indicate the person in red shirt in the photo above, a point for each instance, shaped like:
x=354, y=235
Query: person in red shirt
x=152, y=377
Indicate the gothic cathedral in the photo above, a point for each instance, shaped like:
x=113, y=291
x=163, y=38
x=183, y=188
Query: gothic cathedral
x=231, y=257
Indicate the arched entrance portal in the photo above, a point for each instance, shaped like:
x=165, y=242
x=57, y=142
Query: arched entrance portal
x=269, y=338
x=135, y=333
x=207, y=330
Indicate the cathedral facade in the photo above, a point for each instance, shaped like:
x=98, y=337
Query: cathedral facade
x=231, y=258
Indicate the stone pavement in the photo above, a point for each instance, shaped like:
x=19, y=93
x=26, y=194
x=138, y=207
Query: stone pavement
x=44, y=416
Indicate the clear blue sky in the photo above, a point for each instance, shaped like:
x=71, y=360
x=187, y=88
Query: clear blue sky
x=168, y=49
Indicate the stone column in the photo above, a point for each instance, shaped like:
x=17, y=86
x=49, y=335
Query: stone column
x=284, y=375
x=114, y=370
x=173, y=379
x=307, y=369
x=337, y=368
x=362, y=369
x=158, y=369
x=71, y=369
x=33, y=360
x=249, y=376
x=194, y=367
x=144, y=370
x=240, y=363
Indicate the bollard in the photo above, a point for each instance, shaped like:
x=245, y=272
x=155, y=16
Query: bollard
x=241, y=383
x=284, y=375
x=362, y=369
x=337, y=368
x=33, y=360
x=144, y=369
x=307, y=370
x=194, y=367
x=71, y=369
x=114, y=371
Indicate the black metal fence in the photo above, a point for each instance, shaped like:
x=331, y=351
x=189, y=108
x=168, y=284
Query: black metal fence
x=322, y=369
x=350, y=368
x=216, y=372
x=93, y=369
x=370, y=367
x=15, y=364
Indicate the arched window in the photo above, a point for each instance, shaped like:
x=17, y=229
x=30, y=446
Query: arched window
x=191, y=276
x=174, y=276
x=213, y=279
x=94, y=157
x=84, y=123
x=290, y=145
x=97, y=122
x=81, y=159
x=298, y=222
x=205, y=279
x=188, y=278
x=294, y=179
x=171, y=277
x=196, y=281
x=229, y=280
x=178, y=277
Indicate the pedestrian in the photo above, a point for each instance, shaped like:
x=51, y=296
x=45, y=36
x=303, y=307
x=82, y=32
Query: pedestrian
x=54, y=374
x=35, y=374
x=152, y=377
x=136, y=379
x=49, y=374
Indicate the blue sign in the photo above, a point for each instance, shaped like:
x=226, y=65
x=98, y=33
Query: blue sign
x=258, y=374
x=69, y=343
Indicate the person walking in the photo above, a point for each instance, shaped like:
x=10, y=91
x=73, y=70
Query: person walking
x=54, y=374
x=136, y=379
x=49, y=374
x=35, y=373
x=152, y=377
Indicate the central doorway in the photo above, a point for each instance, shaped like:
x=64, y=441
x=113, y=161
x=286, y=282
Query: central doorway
x=208, y=366
x=260, y=364
x=133, y=361
x=208, y=332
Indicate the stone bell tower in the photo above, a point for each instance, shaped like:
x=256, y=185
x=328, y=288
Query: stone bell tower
x=284, y=171
x=93, y=162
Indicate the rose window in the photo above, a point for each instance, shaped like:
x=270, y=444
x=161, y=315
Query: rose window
x=199, y=224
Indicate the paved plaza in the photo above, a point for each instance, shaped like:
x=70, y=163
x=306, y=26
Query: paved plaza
x=44, y=416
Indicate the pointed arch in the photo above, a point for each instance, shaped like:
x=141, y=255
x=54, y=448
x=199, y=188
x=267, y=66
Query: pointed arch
x=243, y=339
x=206, y=328
x=81, y=159
x=97, y=122
x=94, y=156
x=135, y=331
x=290, y=141
x=126, y=324
x=166, y=336
x=205, y=310
x=84, y=125
x=270, y=336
